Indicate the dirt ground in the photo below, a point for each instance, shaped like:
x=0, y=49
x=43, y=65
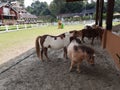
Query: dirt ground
x=10, y=53
x=27, y=72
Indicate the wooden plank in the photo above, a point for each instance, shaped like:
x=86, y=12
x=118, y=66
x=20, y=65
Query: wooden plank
x=101, y=12
x=113, y=47
x=97, y=11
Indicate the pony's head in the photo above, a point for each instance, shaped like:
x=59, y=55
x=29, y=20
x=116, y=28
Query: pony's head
x=89, y=54
x=91, y=59
x=76, y=34
x=75, y=39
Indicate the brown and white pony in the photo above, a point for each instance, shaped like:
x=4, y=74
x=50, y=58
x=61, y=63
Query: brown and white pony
x=54, y=42
x=77, y=53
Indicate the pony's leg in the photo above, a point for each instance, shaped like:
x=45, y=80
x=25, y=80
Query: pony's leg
x=41, y=54
x=83, y=39
x=78, y=67
x=71, y=66
x=92, y=40
x=45, y=53
x=65, y=52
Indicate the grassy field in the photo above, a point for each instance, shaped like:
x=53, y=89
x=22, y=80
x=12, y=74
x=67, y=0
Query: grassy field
x=12, y=43
x=16, y=38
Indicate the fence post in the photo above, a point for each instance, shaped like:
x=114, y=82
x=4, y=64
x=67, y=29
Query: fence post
x=25, y=26
x=17, y=27
x=36, y=24
x=31, y=26
x=6, y=26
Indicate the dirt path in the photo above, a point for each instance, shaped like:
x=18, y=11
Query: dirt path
x=32, y=74
x=10, y=53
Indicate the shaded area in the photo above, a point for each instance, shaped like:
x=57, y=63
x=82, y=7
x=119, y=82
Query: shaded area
x=32, y=74
x=116, y=28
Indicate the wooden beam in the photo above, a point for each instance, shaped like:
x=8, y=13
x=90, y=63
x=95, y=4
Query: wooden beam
x=101, y=12
x=110, y=8
x=97, y=11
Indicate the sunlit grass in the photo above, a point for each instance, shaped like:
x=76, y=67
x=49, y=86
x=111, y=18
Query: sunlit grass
x=18, y=38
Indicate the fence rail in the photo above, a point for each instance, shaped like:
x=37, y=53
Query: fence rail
x=9, y=28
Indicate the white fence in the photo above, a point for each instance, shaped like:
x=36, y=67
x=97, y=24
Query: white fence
x=9, y=28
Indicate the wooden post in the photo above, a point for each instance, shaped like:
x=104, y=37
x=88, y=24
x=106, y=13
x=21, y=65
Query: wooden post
x=110, y=8
x=2, y=19
x=97, y=12
x=6, y=26
x=13, y=19
x=101, y=12
x=25, y=26
x=17, y=27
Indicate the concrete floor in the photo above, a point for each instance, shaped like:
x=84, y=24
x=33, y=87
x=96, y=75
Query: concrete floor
x=27, y=72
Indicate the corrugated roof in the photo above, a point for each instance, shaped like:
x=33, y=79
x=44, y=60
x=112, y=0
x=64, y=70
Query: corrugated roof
x=27, y=15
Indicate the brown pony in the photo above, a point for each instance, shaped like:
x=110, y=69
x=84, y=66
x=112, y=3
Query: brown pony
x=54, y=42
x=77, y=53
x=92, y=32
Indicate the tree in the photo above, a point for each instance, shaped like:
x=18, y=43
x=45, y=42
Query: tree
x=55, y=6
x=38, y=8
x=21, y=1
x=74, y=7
x=61, y=7
x=117, y=6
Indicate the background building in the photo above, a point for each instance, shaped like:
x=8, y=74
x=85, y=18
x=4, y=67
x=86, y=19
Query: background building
x=15, y=13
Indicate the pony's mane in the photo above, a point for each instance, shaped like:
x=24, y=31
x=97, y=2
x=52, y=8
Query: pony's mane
x=84, y=48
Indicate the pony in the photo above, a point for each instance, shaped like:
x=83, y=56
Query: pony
x=77, y=53
x=54, y=42
x=92, y=32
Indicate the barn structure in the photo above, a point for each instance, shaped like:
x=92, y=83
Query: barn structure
x=8, y=15
x=110, y=42
x=12, y=13
x=24, y=16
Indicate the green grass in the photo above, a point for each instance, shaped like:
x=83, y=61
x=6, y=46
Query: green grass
x=116, y=23
x=26, y=37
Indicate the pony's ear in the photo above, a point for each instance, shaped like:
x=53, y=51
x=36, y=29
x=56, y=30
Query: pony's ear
x=78, y=40
x=75, y=48
x=72, y=38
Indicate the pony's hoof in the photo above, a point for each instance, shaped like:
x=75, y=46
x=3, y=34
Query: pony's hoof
x=49, y=60
x=66, y=57
x=71, y=70
x=42, y=60
x=79, y=71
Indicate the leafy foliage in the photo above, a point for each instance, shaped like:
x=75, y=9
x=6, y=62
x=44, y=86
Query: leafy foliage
x=117, y=6
x=21, y=1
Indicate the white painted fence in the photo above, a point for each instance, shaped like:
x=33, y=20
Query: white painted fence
x=7, y=28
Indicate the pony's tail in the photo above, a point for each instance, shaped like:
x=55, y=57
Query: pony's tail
x=37, y=46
